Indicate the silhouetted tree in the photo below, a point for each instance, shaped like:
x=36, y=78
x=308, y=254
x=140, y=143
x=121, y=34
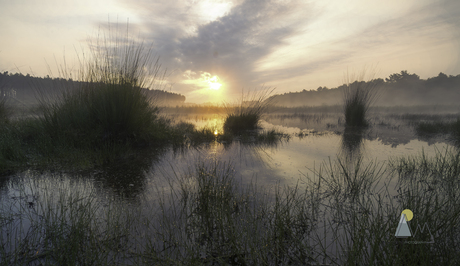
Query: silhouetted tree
x=403, y=77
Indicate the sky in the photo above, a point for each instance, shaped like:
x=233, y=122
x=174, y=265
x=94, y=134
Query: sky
x=212, y=51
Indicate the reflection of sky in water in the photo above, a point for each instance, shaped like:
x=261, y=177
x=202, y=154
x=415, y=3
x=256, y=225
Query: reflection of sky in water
x=284, y=163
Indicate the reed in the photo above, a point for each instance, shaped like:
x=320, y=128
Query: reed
x=246, y=115
x=358, y=97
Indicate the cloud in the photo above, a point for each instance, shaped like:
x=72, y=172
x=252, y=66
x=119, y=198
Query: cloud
x=411, y=38
x=255, y=42
x=228, y=46
x=247, y=43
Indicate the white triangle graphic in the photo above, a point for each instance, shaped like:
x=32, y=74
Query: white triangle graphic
x=403, y=229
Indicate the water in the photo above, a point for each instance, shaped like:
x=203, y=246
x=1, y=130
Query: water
x=312, y=142
x=284, y=163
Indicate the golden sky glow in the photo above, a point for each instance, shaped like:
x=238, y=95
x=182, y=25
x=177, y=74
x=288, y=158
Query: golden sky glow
x=214, y=83
x=213, y=49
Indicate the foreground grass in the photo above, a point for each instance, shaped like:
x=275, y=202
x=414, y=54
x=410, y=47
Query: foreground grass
x=345, y=214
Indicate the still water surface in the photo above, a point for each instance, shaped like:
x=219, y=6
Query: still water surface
x=286, y=162
x=309, y=145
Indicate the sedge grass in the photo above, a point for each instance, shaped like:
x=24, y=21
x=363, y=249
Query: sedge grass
x=45, y=223
x=246, y=115
x=4, y=110
x=358, y=97
x=102, y=117
x=111, y=105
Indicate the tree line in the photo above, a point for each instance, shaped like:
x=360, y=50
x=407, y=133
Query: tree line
x=26, y=88
x=401, y=88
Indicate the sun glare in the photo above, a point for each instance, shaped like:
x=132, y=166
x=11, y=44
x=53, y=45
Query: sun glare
x=214, y=83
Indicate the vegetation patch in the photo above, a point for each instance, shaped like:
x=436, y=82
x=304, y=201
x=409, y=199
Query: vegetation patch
x=358, y=97
x=433, y=128
x=247, y=114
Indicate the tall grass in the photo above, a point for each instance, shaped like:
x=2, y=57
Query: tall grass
x=362, y=210
x=110, y=107
x=246, y=115
x=358, y=97
x=209, y=218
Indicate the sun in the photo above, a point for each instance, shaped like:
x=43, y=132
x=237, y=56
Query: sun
x=214, y=83
x=409, y=214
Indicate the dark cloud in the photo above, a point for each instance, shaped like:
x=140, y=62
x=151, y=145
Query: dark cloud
x=229, y=46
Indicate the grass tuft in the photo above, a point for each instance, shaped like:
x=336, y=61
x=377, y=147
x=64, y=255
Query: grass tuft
x=358, y=97
x=247, y=114
x=110, y=106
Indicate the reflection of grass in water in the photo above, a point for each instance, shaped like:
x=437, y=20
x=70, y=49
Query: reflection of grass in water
x=364, y=215
x=205, y=216
x=432, y=128
x=352, y=140
x=209, y=134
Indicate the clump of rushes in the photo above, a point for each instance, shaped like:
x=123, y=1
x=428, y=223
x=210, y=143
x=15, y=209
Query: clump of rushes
x=110, y=106
x=247, y=114
x=358, y=97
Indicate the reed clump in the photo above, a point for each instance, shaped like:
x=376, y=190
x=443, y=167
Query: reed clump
x=247, y=114
x=111, y=105
x=358, y=97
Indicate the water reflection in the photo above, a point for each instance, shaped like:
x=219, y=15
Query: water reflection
x=126, y=177
x=352, y=144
